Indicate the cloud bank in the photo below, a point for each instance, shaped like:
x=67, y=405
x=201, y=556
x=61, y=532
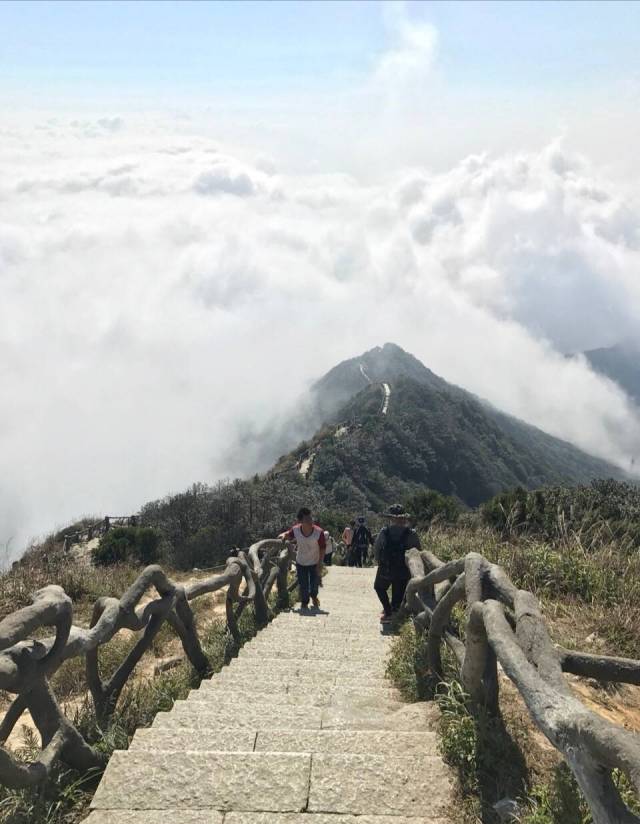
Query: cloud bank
x=161, y=295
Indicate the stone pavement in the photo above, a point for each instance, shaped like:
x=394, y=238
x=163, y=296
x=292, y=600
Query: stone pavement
x=301, y=728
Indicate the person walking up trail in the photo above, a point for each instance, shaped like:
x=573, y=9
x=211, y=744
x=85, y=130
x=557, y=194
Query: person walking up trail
x=389, y=549
x=360, y=543
x=347, y=536
x=330, y=546
x=311, y=545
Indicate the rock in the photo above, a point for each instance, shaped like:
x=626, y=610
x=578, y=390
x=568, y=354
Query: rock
x=507, y=809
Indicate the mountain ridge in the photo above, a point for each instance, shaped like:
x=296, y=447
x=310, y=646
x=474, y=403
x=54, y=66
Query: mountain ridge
x=448, y=439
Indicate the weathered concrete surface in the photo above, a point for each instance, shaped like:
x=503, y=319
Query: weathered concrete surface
x=301, y=728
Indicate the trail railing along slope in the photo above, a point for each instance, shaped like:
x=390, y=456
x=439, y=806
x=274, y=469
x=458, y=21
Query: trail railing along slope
x=504, y=626
x=27, y=664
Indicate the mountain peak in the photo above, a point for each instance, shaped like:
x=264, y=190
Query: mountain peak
x=382, y=364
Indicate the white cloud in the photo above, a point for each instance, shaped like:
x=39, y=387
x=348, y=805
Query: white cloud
x=405, y=67
x=144, y=322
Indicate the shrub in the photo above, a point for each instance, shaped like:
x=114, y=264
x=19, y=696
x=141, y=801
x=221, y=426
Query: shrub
x=427, y=505
x=128, y=544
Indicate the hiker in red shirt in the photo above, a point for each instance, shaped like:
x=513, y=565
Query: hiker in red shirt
x=309, y=557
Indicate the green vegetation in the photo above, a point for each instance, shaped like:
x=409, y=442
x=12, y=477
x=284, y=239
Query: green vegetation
x=596, y=514
x=428, y=506
x=130, y=544
x=590, y=591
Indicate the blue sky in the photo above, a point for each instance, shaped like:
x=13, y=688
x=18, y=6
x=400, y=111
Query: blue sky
x=80, y=51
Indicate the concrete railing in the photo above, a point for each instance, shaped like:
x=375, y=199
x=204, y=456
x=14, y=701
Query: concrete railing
x=27, y=664
x=99, y=528
x=504, y=626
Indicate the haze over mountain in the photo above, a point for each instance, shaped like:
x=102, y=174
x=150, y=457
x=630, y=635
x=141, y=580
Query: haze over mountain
x=620, y=363
x=391, y=424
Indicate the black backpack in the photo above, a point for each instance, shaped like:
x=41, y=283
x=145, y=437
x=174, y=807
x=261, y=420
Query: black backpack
x=361, y=536
x=392, y=553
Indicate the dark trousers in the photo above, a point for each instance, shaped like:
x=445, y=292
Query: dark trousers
x=398, y=586
x=328, y=558
x=357, y=553
x=307, y=582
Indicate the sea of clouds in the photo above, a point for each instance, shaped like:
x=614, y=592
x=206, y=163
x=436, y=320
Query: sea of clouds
x=161, y=294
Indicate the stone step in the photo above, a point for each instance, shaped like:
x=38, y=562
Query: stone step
x=294, y=695
x=269, y=740
x=380, y=785
x=216, y=817
x=243, y=677
x=213, y=690
x=317, y=818
x=320, y=640
x=226, y=739
x=380, y=715
x=293, y=665
x=346, y=741
x=241, y=715
x=331, y=659
x=274, y=782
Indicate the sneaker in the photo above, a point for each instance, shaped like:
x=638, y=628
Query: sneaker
x=304, y=605
x=386, y=619
x=316, y=602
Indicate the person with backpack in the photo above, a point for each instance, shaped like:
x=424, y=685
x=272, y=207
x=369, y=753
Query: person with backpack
x=310, y=548
x=360, y=543
x=389, y=551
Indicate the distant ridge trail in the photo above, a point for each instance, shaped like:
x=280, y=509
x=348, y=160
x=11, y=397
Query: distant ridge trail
x=387, y=397
x=364, y=374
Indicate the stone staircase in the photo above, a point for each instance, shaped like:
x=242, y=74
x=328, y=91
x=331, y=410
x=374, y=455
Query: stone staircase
x=301, y=728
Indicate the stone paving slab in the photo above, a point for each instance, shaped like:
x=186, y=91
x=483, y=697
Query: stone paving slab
x=155, y=817
x=263, y=666
x=379, y=785
x=345, y=741
x=195, y=738
x=275, y=700
x=323, y=818
x=241, y=714
x=378, y=715
x=192, y=781
x=307, y=686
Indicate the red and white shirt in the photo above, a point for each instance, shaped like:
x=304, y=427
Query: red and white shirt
x=310, y=547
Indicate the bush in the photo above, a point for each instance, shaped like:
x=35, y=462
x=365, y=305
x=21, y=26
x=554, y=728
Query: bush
x=428, y=505
x=597, y=514
x=128, y=544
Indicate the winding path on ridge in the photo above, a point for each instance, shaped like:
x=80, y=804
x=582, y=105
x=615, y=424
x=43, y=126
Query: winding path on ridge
x=386, y=388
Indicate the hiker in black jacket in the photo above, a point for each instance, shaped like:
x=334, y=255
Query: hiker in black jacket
x=389, y=551
x=360, y=543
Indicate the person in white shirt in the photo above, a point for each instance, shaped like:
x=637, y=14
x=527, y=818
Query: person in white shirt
x=330, y=545
x=311, y=545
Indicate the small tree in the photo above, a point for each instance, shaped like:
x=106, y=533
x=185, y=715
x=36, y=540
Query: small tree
x=427, y=504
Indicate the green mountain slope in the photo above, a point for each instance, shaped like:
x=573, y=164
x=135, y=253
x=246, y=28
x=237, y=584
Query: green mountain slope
x=433, y=434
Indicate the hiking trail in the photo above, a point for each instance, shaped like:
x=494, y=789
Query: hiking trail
x=301, y=728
